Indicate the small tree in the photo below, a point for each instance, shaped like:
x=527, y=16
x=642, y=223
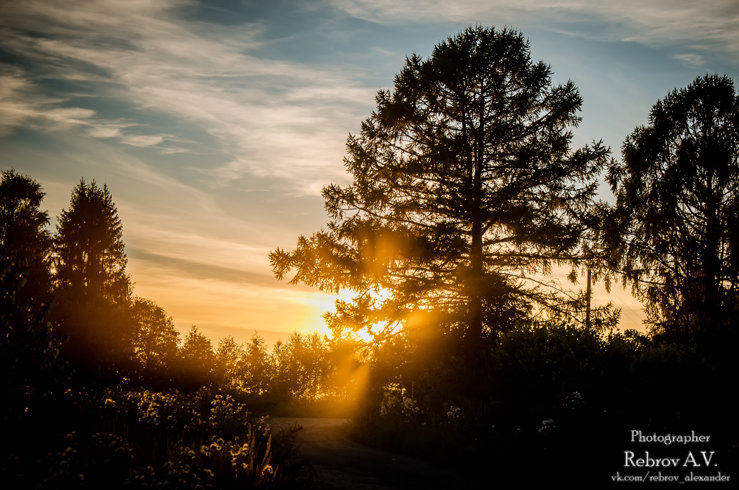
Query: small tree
x=156, y=339
x=256, y=367
x=227, y=359
x=301, y=367
x=675, y=236
x=197, y=359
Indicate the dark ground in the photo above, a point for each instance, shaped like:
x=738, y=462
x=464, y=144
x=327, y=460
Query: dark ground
x=341, y=463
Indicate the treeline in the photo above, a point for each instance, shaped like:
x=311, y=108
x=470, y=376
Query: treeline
x=307, y=373
x=99, y=389
x=75, y=279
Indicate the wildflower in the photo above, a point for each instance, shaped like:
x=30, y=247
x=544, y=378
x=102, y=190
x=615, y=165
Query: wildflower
x=573, y=400
x=383, y=409
x=547, y=426
x=410, y=407
x=453, y=413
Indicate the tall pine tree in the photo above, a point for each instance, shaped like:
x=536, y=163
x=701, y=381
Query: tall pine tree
x=93, y=288
x=464, y=192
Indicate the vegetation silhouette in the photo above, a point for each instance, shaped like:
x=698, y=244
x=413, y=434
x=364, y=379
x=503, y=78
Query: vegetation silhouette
x=464, y=189
x=99, y=392
x=24, y=240
x=92, y=288
x=155, y=344
x=466, y=196
x=675, y=235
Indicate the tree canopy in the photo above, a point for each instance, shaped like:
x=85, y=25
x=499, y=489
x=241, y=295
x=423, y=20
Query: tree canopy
x=93, y=290
x=24, y=241
x=677, y=207
x=464, y=191
x=156, y=339
x=89, y=248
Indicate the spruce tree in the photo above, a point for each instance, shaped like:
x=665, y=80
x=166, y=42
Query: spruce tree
x=465, y=192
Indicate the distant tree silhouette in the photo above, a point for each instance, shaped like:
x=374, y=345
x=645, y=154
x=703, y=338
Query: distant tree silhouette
x=465, y=188
x=227, y=358
x=89, y=248
x=256, y=367
x=197, y=358
x=24, y=241
x=676, y=235
x=301, y=367
x=93, y=290
x=156, y=339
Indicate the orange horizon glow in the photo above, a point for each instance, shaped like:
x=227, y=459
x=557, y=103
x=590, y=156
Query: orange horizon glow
x=274, y=312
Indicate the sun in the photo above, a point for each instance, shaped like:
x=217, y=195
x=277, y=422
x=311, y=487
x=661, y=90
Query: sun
x=322, y=303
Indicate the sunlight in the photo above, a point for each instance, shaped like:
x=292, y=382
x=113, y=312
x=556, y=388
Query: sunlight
x=377, y=328
x=320, y=304
x=381, y=294
x=323, y=303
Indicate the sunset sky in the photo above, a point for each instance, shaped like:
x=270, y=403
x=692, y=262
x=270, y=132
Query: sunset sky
x=216, y=124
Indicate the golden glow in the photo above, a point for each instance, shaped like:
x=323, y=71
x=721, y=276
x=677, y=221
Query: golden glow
x=222, y=308
x=325, y=303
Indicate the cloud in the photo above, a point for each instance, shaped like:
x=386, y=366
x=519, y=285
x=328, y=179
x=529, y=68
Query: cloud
x=703, y=26
x=271, y=118
x=143, y=140
x=18, y=105
x=202, y=270
x=23, y=103
x=107, y=130
x=691, y=59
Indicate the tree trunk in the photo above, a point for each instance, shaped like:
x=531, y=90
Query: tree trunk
x=475, y=284
x=588, y=295
x=477, y=270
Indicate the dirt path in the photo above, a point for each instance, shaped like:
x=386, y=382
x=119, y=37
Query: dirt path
x=343, y=464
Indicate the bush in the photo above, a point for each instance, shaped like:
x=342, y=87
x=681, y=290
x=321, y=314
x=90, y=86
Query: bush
x=126, y=438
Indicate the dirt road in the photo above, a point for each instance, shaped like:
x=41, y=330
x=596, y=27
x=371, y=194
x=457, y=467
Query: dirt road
x=343, y=464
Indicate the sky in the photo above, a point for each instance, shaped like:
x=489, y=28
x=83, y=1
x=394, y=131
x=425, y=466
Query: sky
x=216, y=124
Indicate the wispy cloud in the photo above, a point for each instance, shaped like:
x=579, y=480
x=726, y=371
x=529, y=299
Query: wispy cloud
x=691, y=59
x=23, y=103
x=704, y=26
x=143, y=140
x=270, y=117
x=108, y=129
x=18, y=105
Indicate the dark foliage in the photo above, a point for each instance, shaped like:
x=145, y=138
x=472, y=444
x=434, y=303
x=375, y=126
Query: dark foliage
x=464, y=187
x=24, y=241
x=93, y=291
x=677, y=189
x=561, y=403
